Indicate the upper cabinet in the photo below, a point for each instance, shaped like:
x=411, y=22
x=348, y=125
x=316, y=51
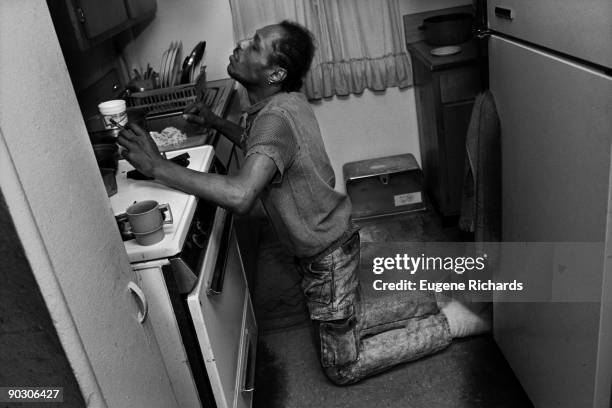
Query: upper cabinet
x=92, y=34
x=97, y=17
x=82, y=24
x=138, y=8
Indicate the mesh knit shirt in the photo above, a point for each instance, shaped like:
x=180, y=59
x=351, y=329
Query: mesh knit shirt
x=307, y=213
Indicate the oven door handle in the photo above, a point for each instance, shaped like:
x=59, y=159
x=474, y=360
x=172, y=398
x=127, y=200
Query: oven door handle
x=248, y=367
x=216, y=283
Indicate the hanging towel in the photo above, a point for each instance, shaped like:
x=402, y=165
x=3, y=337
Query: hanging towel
x=481, y=203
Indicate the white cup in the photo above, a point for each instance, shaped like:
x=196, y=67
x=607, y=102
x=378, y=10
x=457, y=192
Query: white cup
x=116, y=110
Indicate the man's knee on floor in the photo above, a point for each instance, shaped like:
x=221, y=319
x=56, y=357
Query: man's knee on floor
x=339, y=342
x=339, y=350
x=340, y=376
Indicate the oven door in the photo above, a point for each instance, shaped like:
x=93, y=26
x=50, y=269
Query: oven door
x=221, y=312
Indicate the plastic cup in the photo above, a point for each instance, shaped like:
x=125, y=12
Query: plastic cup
x=114, y=109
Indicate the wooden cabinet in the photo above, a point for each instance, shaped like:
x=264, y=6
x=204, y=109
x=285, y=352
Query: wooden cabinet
x=138, y=8
x=445, y=88
x=85, y=30
x=97, y=18
x=82, y=24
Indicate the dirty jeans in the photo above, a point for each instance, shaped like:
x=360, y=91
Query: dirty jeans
x=361, y=337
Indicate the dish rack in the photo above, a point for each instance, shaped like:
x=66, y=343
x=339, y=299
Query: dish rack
x=164, y=100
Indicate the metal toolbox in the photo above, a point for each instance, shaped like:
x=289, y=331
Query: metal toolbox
x=384, y=186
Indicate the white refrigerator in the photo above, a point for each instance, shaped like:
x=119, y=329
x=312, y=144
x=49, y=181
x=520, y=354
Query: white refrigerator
x=550, y=63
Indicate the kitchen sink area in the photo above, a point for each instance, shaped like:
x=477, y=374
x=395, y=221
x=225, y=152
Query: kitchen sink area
x=217, y=98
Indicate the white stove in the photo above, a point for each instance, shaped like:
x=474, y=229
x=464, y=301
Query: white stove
x=181, y=204
x=193, y=290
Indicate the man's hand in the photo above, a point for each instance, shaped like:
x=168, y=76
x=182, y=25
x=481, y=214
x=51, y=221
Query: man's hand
x=199, y=113
x=140, y=149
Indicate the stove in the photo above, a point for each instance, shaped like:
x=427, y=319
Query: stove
x=195, y=293
x=182, y=205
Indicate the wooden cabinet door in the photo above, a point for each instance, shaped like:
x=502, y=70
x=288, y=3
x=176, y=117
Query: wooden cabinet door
x=98, y=17
x=138, y=8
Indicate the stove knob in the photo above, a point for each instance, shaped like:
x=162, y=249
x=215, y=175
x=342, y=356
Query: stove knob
x=200, y=227
x=198, y=240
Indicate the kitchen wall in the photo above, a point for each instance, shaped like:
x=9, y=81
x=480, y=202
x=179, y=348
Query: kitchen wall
x=190, y=21
x=373, y=124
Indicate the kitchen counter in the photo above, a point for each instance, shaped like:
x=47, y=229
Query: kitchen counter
x=202, y=148
x=195, y=292
x=422, y=51
x=182, y=204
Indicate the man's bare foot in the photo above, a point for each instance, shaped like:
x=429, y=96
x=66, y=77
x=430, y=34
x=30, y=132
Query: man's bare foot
x=467, y=320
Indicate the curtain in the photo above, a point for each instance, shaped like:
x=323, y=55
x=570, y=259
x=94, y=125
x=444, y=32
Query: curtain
x=359, y=42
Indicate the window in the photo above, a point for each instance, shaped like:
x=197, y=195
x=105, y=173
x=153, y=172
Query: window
x=359, y=42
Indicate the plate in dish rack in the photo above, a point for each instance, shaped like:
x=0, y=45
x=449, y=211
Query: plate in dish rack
x=448, y=50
